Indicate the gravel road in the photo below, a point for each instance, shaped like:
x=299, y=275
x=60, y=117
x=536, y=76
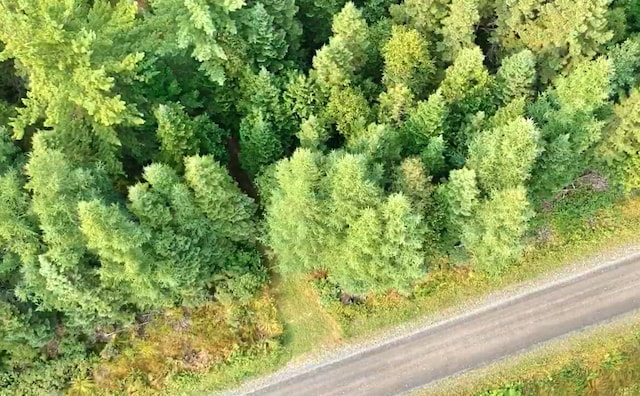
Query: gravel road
x=474, y=339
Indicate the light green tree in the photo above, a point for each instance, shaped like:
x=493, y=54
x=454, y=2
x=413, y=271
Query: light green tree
x=516, y=76
x=425, y=16
x=620, y=147
x=493, y=236
x=335, y=64
x=181, y=135
x=407, y=61
x=201, y=27
x=504, y=156
x=349, y=109
x=561, y=33
x=65, y=51
x=570, y=125
x=296, y=215
x=460, y=196
x=395, y=103
x=458, y=28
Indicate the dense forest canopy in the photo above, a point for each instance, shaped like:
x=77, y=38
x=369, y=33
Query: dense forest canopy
x=159, y=153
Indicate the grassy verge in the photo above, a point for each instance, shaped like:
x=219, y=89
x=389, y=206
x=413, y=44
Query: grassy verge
x=307, y=328
x=577, y=227
x=602, y=360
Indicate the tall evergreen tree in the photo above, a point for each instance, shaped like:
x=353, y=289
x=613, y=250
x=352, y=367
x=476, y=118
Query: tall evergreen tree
x=504, y=156
x=570, y=125
x=620, y=148
x=516, y=76
x=407, y=61
x=336, y=63
x=181, y=136
x=493, y=236
x=561, y=33
x=458, y=28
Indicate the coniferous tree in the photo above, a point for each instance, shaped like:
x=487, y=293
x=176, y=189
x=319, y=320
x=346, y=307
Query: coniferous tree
x=466, y=89
x=424, y=16
x=620, y=148
x=296, y=215
x=336, y=63
x=259, y=144
x=569, y=125
x=516, y=76
x=406, y=60
x=493, y=235
x=460, y=197
x=181, y=136
x=201, y=27
x=458, y=28
x=504, y=156
x=65, y=53
x=561, y=33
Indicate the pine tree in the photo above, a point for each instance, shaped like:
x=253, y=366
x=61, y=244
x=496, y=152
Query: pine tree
x=65, y=53
x=458, y=28
x=407, y=61
x=182, y=136
x=312, y=134
x=403, y=246
x=295, y=217
x=395, y=103
x=124, y=261
x=219, y=198
x=426, y=121
x=467, y=90
x=349, y=109
x=504, y=156
x=620, y=148
x=74, y=74
x=493, y=236
x=201, y=26
x=425, y=16
x=259, y=144
x=460, y=197
x=336, y=63
x=570, y=126
x=316, y=17
x=561, y=33
x=63, y=277
x=267, y=44
x=516, y=76
x=625, y=61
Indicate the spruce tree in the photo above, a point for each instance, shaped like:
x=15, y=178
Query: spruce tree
x=504, y=156
x=620, y=148
x=561, y=33
x=407, y=61
x=458, y=28
x=493, y=235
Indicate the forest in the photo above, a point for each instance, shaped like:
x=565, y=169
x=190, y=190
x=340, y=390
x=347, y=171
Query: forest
x=170, y=157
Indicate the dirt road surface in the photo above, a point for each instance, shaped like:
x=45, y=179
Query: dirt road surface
x=474, y=339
